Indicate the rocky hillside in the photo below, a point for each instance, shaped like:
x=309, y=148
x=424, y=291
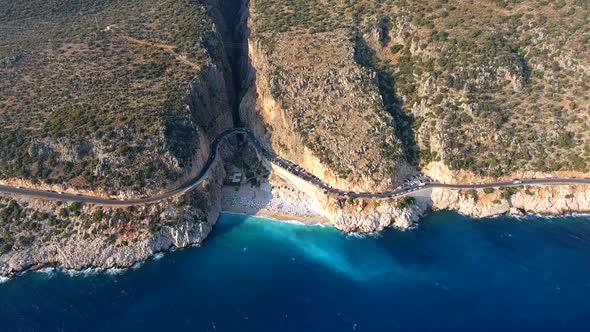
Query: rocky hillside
x=318, y=107
x=36, y=234
x=109, y=96
x=112, y=98
x=356, y=90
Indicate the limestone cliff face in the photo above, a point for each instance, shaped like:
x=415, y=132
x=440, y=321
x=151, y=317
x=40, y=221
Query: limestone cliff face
x=85, y=236
x=358, y=216
x=554, y=200
x=209, y=104
x=321, y=110
x=374, y=216
x=209, y=100
x=548, y=200
x=442, y=173
x=79, y=254
x=118, y=239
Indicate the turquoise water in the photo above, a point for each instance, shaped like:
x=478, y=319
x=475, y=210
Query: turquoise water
x=450, y=274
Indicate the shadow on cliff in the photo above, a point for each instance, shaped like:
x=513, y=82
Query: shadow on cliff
x=230, y=18
x=367, y=57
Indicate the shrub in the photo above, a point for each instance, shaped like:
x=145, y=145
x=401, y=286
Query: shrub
x=405, y=202
x=396, y=48
x=472, y=193
x=63, y=212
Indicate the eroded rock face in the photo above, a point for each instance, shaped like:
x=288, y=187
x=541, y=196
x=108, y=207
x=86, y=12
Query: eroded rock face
x=376, y=218
x=118, y=238
x=319, y=108
x=554, y=200
x=78, y=254
x=51, y=234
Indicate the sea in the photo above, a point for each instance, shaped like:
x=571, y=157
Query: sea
x=451, y=273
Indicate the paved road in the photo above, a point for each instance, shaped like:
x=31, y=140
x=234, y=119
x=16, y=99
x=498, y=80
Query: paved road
x=279, y=161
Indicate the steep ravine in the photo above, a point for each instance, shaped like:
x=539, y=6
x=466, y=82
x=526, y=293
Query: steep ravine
x=230, y=18
x=234, y=89
x=85, y=236
x=280, y=84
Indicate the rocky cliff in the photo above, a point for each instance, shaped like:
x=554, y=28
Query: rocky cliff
x=554, y=200
x=350, y=215
x=363, y=97
x=112, y=99
x=43, y=234
x=313, y=104
x=35, y=234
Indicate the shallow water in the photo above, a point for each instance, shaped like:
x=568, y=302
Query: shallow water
x=253, y=274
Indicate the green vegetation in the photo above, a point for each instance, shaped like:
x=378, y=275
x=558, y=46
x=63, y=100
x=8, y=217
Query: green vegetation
x=405, y=202
x=23, y=226
x=92, y=91
x=472, y=193
x=499, y=86
x=206, y=185
x=508, y=192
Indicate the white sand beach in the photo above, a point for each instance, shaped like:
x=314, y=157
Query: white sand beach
x=264, y=201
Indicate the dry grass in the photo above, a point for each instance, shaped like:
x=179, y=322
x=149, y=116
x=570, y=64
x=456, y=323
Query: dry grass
x=91, y=90
x=494, y=87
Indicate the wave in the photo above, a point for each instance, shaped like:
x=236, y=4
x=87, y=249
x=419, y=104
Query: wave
x=158, y=256
x=373, y=235
x=296, y=222
x=116, y=271
x=292, y=222
x=529, y=216
x=91, y=271
x=4, y=279
x=47, y=271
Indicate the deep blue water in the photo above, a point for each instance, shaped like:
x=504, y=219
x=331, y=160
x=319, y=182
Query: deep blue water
x=450, y=274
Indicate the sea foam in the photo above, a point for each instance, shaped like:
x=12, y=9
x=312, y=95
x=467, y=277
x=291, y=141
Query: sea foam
x=116, y=271
x=48, y=271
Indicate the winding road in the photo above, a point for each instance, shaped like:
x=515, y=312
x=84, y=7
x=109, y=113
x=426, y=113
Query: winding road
x=281, y=162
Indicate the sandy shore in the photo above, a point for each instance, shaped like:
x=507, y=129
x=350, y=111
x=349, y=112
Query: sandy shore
x=261, y=201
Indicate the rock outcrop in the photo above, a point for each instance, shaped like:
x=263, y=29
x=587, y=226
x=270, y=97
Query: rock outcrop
x=375, y=216
x=322, y=110
x=79, y=254
x=36, y=234
x=548, y=200
x=108, y=238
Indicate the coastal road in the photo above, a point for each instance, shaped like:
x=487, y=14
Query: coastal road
x=283, y=163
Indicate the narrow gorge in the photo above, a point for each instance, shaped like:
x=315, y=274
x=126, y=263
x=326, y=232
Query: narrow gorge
x=230, y=18
x=306, y=97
